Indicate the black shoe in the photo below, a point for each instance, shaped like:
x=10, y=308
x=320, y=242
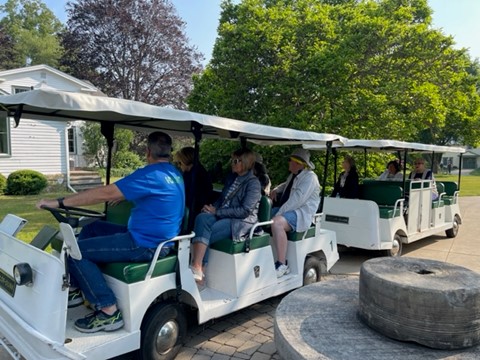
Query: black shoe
x=75, y=298
x=98, y=321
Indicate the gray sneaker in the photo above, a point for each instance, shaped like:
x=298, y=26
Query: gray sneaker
x=282, y=269
x=98, y=321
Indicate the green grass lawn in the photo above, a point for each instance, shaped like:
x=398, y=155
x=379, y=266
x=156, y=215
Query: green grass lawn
x=24, y=206
x=469, y=185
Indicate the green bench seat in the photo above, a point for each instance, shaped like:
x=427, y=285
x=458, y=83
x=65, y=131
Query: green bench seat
x=297, y=236
x=134, y=272
x=230, y=247
x=386, y=212
x=436, y=204
x=448, y=200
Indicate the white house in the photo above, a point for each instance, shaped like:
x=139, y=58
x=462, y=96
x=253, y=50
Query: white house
x=50, y=147
x=470, y=159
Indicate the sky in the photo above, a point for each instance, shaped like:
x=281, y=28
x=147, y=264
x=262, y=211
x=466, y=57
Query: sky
x=459, y=18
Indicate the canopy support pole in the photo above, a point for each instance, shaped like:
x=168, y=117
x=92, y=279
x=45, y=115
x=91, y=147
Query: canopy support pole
x=108, y=129
x=324, y=180
x=460, y=170
x=197, y=133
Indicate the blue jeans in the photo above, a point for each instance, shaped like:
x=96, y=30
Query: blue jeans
x=104, y=242
x=208, y=229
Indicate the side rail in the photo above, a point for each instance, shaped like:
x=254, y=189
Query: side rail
x=159, y=248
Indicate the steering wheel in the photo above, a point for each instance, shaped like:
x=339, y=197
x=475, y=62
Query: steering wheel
x=75, y=217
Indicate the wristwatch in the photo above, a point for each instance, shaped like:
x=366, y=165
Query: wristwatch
x=61, y=205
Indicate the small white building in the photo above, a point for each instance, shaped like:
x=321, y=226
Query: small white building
x=470, y=159
x=50, y=147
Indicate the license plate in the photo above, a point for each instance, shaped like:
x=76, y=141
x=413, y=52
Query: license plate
x=7, y=283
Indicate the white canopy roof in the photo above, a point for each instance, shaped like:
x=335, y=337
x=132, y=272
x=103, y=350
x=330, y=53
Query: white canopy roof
x=387, y=145
x=57, y=105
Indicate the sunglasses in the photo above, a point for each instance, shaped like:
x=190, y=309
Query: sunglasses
x=236, y=161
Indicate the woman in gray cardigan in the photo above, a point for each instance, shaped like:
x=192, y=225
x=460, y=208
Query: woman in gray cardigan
x=232, y=215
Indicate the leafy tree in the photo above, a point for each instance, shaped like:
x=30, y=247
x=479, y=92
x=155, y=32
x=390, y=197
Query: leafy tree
x=95, y=148
x=30, y=31
x=362, y=69
x=133, y=49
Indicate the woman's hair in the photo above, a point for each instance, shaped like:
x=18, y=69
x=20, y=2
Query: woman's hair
x=395, y=164
x=247, y=156
x=185, y=155
x=350, y=161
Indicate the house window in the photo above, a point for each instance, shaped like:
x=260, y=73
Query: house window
x=20, y=89
x=72, y=140
x=4, y=136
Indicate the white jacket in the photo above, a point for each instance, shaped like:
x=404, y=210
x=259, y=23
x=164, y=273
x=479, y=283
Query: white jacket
x=385, y=176
x=304, y=198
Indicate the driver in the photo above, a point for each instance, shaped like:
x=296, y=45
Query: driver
x=158, y=193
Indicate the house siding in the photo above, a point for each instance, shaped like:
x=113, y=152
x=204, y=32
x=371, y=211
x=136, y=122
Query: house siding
x=36, y=145
x=41, y=145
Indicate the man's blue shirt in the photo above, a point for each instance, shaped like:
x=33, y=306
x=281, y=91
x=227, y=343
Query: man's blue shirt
x=158, y=192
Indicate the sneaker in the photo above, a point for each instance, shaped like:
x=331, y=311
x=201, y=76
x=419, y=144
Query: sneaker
x=281, y=269
x=98, y=321
x=75, y=298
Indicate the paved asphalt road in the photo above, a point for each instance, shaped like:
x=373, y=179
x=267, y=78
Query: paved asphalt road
x=248, y=334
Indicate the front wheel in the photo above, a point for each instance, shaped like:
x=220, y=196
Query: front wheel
x=396, y=249
x=163, y=331
x=313, y=269
x=451, y=233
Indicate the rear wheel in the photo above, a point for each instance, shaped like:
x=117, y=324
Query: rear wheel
x=451, y=233
x=396, y=249
x=313, y=269
x=163, y=330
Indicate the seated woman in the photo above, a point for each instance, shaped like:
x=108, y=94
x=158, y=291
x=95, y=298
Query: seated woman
x=392, y=173
x=421, y=173
x=198, y=190
x=232, y=215
x=347, y=183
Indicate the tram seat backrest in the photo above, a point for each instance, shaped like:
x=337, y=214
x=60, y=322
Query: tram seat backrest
x=450, y=187
x=382, y=194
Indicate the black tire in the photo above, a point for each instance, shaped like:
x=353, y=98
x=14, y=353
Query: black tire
x=167, y=319
x=313, y=269
x=451, y=233
x=397, y=247
x=433, y=303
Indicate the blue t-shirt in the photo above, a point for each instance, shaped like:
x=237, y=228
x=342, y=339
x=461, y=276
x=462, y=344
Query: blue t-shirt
x=158, y=192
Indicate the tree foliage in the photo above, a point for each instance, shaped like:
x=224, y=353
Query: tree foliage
x=132, y=49
x=29, y=34
x=95, y=148
x=362, y=69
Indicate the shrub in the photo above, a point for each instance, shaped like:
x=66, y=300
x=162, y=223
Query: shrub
x=26, y=182
x=475, y=172
x=3, y=184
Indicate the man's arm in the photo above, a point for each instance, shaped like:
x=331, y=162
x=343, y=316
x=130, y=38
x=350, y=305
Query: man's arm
x=89, y=197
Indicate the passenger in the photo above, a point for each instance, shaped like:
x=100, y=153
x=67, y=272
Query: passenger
x=296, y=201
x=392, y=173
x=158, y=194
x=199, y=189
x=347, y=183
x=260, y=172
x=421, y=173
x=232, y=215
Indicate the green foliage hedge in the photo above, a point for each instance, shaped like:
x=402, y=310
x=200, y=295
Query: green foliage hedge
x=3, y=184
x=25, y=182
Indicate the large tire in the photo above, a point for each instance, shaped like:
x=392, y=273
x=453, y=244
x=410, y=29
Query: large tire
x=163, y=331
x=451, y=233
x=313, y=269
x=432, y=303
x=397, y=247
